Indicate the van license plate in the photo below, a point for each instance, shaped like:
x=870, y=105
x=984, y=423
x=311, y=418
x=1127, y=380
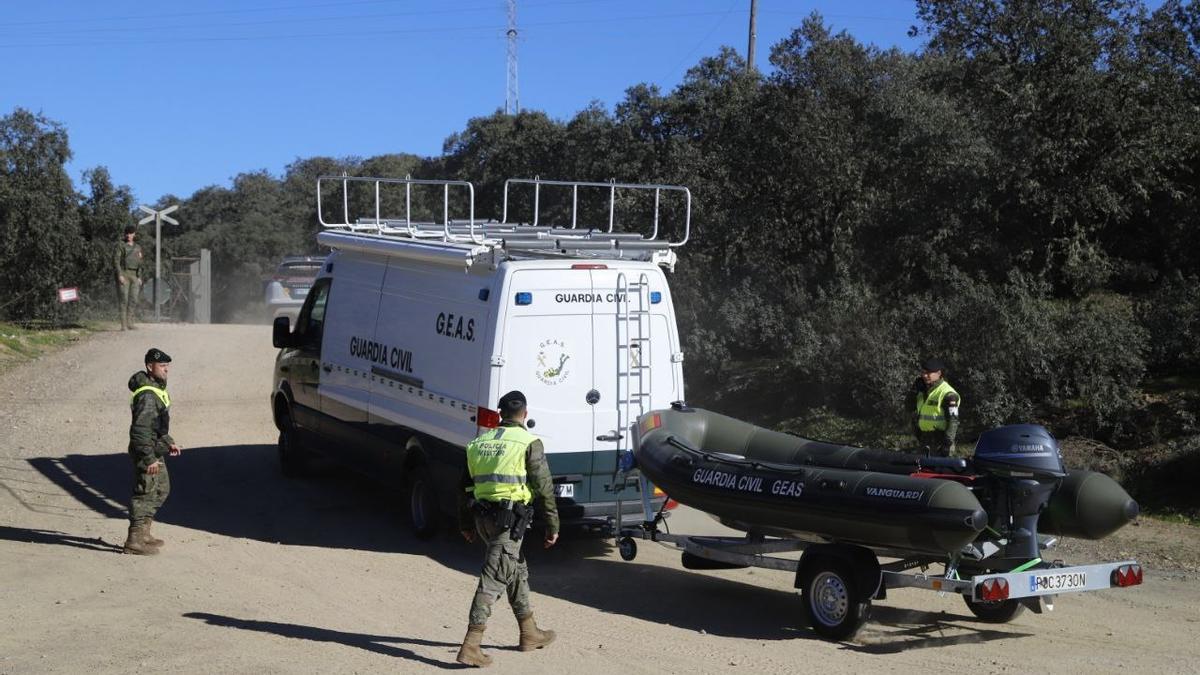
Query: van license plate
x=564, y=490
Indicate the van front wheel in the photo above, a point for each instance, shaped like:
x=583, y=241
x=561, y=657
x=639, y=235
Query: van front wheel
x=423, y=513
x=293, y=459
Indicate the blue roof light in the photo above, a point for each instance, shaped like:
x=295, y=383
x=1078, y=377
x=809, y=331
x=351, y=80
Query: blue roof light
x=524, y=298
x=655, y=297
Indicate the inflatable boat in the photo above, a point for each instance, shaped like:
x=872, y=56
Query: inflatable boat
x=991, y=505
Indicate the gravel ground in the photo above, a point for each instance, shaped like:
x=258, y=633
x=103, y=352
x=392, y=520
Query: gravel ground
x=266, y=575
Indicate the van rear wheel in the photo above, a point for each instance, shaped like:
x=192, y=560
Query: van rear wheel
x=423, y=511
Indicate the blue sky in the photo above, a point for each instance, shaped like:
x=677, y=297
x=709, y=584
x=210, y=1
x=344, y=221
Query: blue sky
x=175, y=95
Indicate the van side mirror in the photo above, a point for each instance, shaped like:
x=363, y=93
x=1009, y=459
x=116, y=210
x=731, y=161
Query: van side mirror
x=281, y=333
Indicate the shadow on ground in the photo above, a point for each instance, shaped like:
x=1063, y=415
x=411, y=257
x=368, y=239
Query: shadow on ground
x=56, y=538
x=379, y=644
x=892, y=630
x=237, y=491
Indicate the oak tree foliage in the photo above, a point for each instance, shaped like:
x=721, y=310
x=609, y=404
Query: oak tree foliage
x=1018, y=196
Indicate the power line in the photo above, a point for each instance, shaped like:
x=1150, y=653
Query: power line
x=717, y=24
x=181, y=15
x=323, y=5
x=495, y=29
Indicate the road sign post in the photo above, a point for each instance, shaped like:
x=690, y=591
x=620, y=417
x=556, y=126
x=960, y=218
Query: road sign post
x=158, y=217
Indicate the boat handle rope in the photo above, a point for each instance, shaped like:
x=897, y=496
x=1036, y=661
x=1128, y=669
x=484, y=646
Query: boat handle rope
x=686, y=447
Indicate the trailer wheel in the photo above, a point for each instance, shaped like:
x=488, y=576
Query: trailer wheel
x=293, y=460
x=422, y=502
x=627, y=547
x=830, y=594
x=995, y=611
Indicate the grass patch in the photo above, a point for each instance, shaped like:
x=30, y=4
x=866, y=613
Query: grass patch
x=1173, y=516
x=20, y=343
x=1166, y=384
x=825, y=425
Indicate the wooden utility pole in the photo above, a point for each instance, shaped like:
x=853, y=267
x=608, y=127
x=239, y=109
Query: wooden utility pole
x=753, y=36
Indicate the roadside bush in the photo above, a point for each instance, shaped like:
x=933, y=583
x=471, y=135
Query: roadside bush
x=864, y=363
x=1168, y=483
x=1100, y=363
x=1172, y=315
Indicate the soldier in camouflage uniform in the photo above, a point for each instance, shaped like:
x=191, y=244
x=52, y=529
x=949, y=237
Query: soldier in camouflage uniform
x=149, y=444
x=127, y=258
x=506, y=473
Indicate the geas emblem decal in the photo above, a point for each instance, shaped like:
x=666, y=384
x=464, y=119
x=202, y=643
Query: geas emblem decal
x=553, y=362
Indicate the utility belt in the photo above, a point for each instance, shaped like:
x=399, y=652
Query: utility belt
x=516, y=517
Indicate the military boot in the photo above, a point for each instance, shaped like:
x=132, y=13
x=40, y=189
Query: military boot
x=533, y=637
x=149, y=538
x=471, y=652
x=136, y=544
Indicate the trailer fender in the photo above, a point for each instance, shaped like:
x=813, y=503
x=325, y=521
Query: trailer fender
x=867, y=573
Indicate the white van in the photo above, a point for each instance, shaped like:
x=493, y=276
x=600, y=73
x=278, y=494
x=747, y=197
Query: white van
x=412, y=332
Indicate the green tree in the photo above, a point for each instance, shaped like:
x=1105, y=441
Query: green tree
x=103, y=214
x=1060, y=91
x=39, y=219
x=494, y=148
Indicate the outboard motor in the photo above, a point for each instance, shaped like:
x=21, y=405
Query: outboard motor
x=1024, y=466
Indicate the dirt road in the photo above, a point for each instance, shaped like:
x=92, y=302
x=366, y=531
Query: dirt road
x=263, y=574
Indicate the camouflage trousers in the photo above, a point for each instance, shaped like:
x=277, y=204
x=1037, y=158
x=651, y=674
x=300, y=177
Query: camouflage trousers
x=933, y=443
x=504, y=571
x=127, y=297
x=149, y=493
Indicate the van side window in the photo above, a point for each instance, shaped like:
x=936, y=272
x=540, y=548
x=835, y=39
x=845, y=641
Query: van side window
x=311, y=322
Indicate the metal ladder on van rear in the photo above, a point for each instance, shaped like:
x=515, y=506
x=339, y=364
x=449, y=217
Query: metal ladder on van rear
x=634, y=359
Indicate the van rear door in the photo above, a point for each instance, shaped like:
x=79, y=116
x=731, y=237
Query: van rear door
x=546, y=342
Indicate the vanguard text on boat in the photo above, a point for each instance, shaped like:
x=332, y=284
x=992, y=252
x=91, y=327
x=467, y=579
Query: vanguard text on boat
x=988, y=519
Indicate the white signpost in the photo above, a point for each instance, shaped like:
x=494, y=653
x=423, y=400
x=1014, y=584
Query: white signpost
x=158, y=217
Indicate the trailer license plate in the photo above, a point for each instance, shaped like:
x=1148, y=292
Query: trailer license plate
x=564, y=490
x=1050, y=583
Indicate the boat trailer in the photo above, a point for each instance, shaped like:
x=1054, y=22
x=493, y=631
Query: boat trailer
x=838, y=581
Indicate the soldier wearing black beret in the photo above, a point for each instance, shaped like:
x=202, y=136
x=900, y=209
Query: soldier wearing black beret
x=506, y=479
x=150, y=443
x=935, y=418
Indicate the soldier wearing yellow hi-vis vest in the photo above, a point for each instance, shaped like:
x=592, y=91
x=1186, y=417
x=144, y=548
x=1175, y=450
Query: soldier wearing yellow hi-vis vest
x=935, y=419
x=506, y=473
x=150, y=443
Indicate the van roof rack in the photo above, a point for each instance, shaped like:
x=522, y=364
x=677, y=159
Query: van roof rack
x=467, y=239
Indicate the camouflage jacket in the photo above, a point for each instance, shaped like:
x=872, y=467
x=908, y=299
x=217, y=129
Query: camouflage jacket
x=149, y=431
x=537, y=476
x=127, y=258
